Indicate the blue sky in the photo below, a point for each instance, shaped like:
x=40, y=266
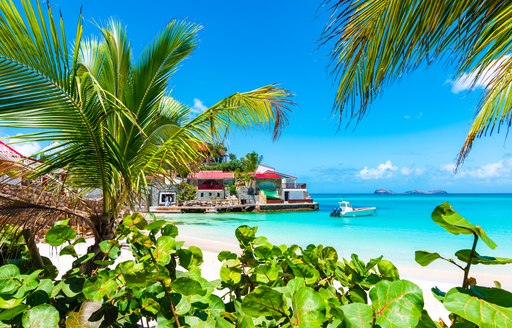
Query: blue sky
x=409, y=140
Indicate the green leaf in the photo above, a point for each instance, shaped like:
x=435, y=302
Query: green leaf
x=308, y=308
x=245, y=234
x=99, y=286
x=165, y=247
x=170, y=230
x=309, y=273
x=59, y=234
x=464, y=254
x=426, y=321
x=111, y=248
x=135, y=220
x=81, y=319
x=388, y=270
x=445, y=216
x=73, y=286
x=9, y=314
x=68, y=250
x=156, y=225
x=187, y=286
x=424, y=258
x=230, y=272
x=477, y=311
x=191, y=257
x=357, y=315
x=242, y=319
x=135, y=274
x=397, y=304
x=10, y=280
x=496, y=296
x=226, y=255
x=41, y=316
x=263, y=301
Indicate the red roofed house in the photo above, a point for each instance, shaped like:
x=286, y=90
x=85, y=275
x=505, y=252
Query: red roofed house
x=275, y=187
x=211, y=184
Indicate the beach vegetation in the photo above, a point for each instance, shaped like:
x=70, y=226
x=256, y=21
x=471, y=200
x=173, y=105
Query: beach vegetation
x=111, y=118
x=263, y=285
x=186, y=191
x=377, y=42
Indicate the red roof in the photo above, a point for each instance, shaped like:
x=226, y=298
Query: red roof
x=211, y=175
x=267, y=176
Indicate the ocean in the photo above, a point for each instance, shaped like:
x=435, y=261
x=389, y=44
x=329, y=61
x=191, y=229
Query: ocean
x=402, y=225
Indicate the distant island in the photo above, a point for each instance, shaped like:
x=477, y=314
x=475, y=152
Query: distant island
x=410, y=192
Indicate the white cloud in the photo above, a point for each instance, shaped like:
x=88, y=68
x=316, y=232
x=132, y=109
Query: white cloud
x=490, y=170
x=198, y=107
x=470, y=81
x=448, y=167
x=27, y=148
x=412, y=171
x=383, y=171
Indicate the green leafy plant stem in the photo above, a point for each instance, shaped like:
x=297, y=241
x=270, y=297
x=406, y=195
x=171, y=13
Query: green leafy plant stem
x=465, y=283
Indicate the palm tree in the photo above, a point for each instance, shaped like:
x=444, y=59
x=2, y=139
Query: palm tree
x=112, y=118
x=378, y=41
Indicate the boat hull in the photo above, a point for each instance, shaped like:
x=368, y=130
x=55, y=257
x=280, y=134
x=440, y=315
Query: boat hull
x=367, y=211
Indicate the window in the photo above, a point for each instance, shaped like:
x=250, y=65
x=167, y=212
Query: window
x=167, y=198
x=202, y=195
x=218, y=194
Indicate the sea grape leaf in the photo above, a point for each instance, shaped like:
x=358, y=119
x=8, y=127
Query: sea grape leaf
x=426, y=321
x=388, y=270
x=111, y=248
x=242, y=319
x=445, y=216
x=226, y=255
x=357, y=315
x=41, y=316
x=464, y=254
x=308, y=308
x=99, y=286
x=477, y=311
x=9, y=280
x=263, y=301
x=135, y=219
x=266, y=273
x=424, y=258
x=9, y=314
x=397, y=304
x=165, y=247
x=72, y=286
x=156, y=225
x=191, y=257
x=68, y=250
x=438, y=294
x=307, y=272
x=245, y=234
x=187, y=286
x=169, y=230
x=59, y=234
x=83, y=318
x=496, y=296
x=10, y=303
x=230, y=272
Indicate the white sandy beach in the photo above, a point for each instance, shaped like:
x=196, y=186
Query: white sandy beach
x=425, y=278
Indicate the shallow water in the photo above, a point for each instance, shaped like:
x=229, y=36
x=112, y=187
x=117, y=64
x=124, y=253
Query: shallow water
x=401, y=226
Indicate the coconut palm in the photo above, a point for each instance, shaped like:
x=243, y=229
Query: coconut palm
x=111, y=118
x=378, y=41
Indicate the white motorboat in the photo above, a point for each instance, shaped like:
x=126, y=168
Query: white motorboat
x=346, y=210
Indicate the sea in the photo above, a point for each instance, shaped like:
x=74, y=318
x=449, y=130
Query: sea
x=402, y=225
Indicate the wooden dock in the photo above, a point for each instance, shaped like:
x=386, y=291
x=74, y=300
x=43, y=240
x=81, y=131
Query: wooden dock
x=238, y=208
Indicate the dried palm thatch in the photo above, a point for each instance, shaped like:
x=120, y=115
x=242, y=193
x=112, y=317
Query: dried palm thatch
x=37, y=204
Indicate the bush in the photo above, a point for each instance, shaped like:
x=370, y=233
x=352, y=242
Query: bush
x=265, y=286
x=186, y=191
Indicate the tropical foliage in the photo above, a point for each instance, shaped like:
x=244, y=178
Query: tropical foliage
x=111, y=117
x=378, y=41
x=264, y=285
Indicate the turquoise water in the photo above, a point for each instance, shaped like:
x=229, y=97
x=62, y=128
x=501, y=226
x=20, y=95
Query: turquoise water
x=401, y=226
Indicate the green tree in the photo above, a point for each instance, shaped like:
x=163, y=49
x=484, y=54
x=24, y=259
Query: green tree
x=111, y=115
x=186, y=191
x=379, y=41
x=251, y=161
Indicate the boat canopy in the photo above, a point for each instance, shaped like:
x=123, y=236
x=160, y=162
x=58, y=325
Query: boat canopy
x=271, y=194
